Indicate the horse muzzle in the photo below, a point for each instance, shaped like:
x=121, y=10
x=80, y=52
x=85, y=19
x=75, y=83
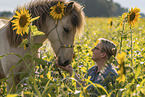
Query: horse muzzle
x=65, y=63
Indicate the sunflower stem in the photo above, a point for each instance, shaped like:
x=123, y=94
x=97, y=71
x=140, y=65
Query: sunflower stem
x=122, y=34
x=120, y=43
x=31, y=49
x=131, y=46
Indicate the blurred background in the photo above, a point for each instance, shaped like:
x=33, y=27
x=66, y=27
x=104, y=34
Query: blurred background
x=93, y=8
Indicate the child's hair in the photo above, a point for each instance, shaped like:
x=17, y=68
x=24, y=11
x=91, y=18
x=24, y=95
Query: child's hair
x=108, y=46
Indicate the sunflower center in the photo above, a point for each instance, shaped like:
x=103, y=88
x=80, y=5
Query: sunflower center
x=23, y=20
x=65, y=89
x=58, y=10
x=111, y=23
x=132, y=16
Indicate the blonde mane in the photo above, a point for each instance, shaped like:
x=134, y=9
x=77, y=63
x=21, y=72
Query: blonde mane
x=42, y=8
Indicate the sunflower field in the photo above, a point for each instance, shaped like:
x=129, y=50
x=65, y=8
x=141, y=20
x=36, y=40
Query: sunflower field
x=128, y=35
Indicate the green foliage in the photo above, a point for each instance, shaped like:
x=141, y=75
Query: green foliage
x=44, y=79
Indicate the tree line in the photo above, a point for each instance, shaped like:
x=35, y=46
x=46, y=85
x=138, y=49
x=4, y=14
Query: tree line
x=6, y=14
x=102, y=8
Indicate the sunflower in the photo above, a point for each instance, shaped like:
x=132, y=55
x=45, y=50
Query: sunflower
x=133, y=16
x=21, y=21
x=121, y=58
x=121, y=71
x=57, y=11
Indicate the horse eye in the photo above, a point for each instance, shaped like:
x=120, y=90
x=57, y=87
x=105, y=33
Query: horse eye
x=66, y=30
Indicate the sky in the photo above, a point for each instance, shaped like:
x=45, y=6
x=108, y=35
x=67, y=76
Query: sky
x=132, y=3
x=10, y=5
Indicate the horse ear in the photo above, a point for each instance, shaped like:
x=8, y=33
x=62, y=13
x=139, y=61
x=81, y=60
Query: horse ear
x=69, y=8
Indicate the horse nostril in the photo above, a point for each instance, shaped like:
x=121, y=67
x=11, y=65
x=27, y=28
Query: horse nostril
x=66, y=63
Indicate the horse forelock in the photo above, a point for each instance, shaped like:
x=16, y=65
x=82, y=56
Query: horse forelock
x=42, y=8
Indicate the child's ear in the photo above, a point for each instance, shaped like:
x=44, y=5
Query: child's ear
x=104, y=55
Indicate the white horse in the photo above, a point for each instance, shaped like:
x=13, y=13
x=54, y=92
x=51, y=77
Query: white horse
x=60, y=35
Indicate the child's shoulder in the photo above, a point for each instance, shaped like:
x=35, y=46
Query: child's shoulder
x=93, y=68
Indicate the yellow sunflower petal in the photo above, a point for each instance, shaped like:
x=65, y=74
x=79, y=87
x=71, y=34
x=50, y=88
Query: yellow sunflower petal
x=17, y=13
x=27, y=30
x=21, y=11
x=14, y=21
x=24, y=46
x=15, y=16
x=15, y=28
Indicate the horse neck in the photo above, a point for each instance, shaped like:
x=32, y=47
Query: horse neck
x=3, y=30
x=39, y=39
x=3, y=35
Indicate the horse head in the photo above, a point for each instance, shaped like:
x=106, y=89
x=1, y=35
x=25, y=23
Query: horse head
x=61, y=33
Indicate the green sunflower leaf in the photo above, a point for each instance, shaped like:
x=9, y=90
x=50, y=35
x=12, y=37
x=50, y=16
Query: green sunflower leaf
x=137, y=71
x=40, y=61
x=24, y=42
x=12, y=95
x=33, y=19
x=3, y=56
x=35, y=31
